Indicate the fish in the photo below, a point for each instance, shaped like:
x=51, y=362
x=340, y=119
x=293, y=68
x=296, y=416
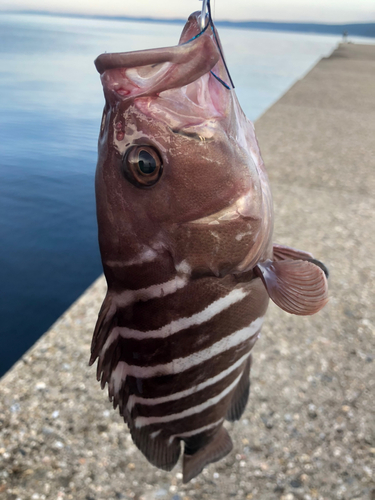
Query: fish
x=185, y=223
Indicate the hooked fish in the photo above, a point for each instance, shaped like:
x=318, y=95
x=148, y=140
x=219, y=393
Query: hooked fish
x=185, y=221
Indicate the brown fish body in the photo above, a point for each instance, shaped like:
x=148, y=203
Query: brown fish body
x=185, y=230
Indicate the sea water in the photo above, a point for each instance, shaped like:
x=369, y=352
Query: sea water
x=50, y=109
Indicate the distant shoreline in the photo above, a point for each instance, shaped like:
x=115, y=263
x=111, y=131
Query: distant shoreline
x=352, y=29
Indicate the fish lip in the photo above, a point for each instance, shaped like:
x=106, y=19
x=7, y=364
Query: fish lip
x=185, y=68
x=243, y=207
x=130, y=75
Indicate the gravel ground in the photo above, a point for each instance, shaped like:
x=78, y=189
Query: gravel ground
x=309, y=429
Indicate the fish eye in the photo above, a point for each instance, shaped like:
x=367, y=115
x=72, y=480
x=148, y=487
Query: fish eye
x=142, y=166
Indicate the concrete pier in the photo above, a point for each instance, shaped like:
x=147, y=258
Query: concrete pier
x=309, y=429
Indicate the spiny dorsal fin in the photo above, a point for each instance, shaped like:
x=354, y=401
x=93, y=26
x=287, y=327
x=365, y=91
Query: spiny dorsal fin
x=102, y=327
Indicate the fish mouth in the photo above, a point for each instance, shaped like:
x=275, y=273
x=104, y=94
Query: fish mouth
x=247, y=206
x=155, y=80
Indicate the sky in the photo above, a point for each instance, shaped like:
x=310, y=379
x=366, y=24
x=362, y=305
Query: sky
x=328, y=11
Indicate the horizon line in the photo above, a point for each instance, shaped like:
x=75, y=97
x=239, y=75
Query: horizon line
x=179, y=20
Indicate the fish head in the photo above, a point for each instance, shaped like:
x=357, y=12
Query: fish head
x=180, y=177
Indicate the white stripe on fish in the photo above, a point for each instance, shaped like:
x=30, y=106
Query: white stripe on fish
x=187, y=392
x=152, y=292
x=181, y=364
x=143, y=421
x=180, y=324
x=148, y=255
x=193, y=432
x=145, y=254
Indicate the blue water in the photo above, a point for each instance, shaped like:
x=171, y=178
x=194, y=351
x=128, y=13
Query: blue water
x=50, y=109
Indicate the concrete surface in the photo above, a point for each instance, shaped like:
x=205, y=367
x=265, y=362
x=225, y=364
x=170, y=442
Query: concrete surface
x=308, y=430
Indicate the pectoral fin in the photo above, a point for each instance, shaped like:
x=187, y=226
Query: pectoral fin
x=281, y=252
x=297, y=286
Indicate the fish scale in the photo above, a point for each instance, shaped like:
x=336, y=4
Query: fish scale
x=185, y=224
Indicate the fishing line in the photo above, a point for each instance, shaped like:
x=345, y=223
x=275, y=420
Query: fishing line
x=218, y=46
x=207, y=6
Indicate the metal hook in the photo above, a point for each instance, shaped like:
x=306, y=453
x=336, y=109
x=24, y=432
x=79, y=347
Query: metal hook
x=203, y=14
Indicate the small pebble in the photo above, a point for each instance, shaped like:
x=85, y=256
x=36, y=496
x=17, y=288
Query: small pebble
x=312, y=411
x=58, y=445
x=161, y=493
x=288, y=496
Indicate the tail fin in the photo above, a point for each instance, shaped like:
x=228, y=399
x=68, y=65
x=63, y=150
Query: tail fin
x=217, y=448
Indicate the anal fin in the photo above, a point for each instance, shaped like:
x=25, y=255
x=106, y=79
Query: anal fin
x=157, y=448
x=241, y=395
x=217, y=448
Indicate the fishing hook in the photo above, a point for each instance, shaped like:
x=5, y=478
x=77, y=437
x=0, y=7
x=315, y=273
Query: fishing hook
x=203, y=14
